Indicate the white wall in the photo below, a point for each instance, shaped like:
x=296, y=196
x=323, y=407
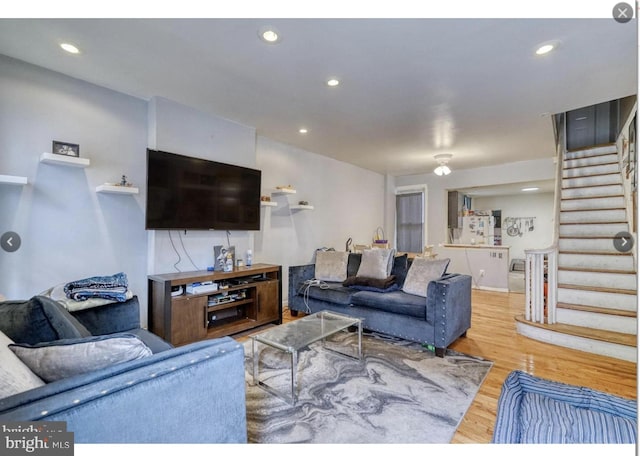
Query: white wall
x=536, y=205
x=69, y=231
x=180, y=129
x=348, y=203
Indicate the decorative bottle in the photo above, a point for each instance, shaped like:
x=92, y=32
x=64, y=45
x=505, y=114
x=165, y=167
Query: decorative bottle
x=228, y=267
x=249, y=257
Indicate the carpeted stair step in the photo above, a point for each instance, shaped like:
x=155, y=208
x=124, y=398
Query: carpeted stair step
x=593, y=191
x=588, y=181
x=592, y=229
x=591, y=170
x=585, y=152
x=596, y=260
x=597, y=202
x=597, y=297
x=600, y=280
x=597, y=320
x=603, y=159
x=586, y=243
x=594, y=216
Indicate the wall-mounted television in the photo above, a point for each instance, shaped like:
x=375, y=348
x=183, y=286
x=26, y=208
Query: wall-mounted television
x=190, y=193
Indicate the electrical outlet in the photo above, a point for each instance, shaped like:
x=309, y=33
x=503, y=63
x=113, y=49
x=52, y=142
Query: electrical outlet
x=481, y=272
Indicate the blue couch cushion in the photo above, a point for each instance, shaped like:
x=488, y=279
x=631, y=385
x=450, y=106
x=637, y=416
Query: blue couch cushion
x=39, y=319
x=397, y=302
x=332, y=292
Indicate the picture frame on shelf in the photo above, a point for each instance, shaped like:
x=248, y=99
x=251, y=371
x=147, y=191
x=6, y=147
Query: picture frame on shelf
x=64, y=148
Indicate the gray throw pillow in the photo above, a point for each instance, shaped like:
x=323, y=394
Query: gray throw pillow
x=60, y=359
x=376, y=263
x=421, y=272
x=331, y=266
x=15, y=376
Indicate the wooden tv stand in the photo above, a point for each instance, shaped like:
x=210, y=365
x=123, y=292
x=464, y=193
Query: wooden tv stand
x=253, y=297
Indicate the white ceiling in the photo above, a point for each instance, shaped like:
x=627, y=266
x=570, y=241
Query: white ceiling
x=411, y=88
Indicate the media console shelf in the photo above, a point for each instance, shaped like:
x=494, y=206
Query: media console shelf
x=245, y=298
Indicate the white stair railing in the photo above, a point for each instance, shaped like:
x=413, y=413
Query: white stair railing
x=541, y=265
x=541, y=287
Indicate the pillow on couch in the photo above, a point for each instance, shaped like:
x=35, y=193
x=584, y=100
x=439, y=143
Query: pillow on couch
x=60, y=359
x=39, y=319
x=331, y=266
x=421, y=272
x=376, y=263
x=15, y=376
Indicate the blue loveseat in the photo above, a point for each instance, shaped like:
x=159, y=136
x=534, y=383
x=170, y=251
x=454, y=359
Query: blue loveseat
x=190, y=394
x=437, y=320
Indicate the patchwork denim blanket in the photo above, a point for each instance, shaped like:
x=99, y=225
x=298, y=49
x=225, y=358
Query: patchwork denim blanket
x=107, y=287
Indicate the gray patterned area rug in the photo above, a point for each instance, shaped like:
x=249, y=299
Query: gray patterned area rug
x=400, y=393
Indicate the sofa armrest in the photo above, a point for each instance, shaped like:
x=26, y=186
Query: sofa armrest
x=191, y=394
x=111, y=318
x=297, y=277
x=449, y=307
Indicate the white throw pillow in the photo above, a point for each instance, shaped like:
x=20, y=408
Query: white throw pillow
x=421, y=272
x=376, y=263
x=331, y=266
x=15, y=376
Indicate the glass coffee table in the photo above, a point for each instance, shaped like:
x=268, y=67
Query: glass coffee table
x=298, y=334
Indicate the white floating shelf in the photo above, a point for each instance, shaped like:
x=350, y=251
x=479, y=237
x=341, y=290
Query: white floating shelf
x=13, y=180
x=268, y=203
x=301, y=207
x=55, y=159
x=281, y=191
x=109, y=188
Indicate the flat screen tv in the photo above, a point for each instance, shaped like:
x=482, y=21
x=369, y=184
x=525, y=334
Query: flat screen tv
x=189, y=193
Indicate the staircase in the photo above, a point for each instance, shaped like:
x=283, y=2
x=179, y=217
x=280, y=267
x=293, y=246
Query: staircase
x=596, y=308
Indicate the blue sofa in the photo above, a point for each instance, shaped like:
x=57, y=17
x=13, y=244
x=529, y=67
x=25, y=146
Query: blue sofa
x=191, y=394
x=437, y=320
x=536, y=410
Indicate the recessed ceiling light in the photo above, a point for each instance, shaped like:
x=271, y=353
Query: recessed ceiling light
x=545, y=49
x=269, y=35
x=70, y=48
x=333, y=82
x=530, y=189
x=303, y=131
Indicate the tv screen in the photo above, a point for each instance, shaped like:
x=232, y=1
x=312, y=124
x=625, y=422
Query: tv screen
x=195, y=194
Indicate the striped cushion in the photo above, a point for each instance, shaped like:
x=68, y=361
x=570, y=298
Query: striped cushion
x=535, y=410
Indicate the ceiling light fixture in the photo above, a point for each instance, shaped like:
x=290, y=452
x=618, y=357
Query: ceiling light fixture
x=70, y=48
x=530, y=189
x=442, y=169
x=303, y=131
x=269, y=35
x=333, y=82
x=546, y=48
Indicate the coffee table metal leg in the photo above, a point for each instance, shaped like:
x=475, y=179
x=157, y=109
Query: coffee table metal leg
x=360, y=339
x=294, y=381
x=256, y=359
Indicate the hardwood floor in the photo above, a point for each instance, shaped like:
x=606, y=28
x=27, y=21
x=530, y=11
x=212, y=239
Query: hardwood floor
x=493, y=336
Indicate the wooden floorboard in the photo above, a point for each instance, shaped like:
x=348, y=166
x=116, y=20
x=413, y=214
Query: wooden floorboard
x=493, y=336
